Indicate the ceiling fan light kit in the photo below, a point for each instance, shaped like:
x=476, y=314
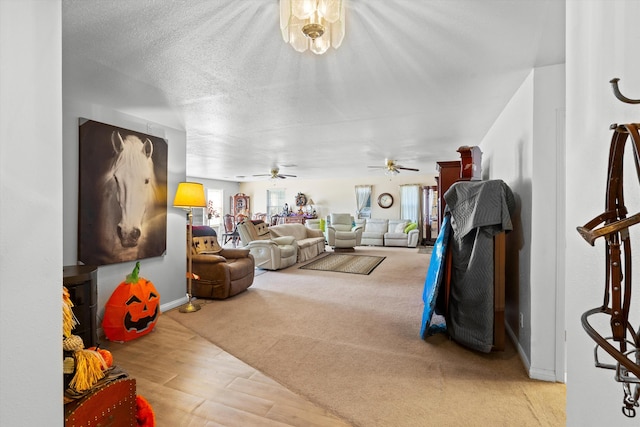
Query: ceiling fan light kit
x=274, y=174
x=315, y=25
x=392, y=168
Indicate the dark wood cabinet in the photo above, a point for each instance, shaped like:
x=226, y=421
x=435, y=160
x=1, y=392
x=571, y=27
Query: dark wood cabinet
x=240, y=206
x=448, y=173
x=82, y=283
x=429, y=214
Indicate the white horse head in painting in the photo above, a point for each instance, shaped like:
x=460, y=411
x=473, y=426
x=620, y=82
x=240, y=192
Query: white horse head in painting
x=132, y=178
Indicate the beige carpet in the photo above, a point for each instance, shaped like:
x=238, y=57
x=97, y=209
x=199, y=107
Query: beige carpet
x=351, y=343
x=344, y=263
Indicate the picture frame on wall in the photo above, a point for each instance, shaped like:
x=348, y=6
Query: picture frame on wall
x=122, y=197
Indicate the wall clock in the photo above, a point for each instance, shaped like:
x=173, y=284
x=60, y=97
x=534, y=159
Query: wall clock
x=385, y=200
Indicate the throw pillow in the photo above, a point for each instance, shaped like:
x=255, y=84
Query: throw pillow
x=400, y=227
x=206, y=245
x=323, y=224
x=411, y=226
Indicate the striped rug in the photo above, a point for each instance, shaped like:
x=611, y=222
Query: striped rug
x=345, y=263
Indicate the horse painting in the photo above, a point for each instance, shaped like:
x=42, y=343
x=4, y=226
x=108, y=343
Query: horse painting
x=122, y=200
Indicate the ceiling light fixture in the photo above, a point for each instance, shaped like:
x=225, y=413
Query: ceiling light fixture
x=312, y=24
x=391, y=172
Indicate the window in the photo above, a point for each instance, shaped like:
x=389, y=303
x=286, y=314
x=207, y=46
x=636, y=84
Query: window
x=363, y=201
x=214, y=208
x=275, y=201
x=410, y=203
x=212, y=214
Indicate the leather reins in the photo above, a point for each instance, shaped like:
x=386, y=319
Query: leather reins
x=614, y=227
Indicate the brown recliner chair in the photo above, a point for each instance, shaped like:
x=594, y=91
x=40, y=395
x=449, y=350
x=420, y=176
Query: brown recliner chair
x=221, y=272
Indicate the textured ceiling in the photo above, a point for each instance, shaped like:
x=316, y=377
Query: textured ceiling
x=412, y=81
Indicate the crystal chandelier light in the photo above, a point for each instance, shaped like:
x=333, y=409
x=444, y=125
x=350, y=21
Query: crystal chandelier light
x=312, y=24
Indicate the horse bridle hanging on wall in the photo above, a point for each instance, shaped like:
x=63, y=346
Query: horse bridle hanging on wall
x=623, y=344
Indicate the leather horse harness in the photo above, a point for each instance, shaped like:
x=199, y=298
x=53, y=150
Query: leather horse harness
x=623, y=344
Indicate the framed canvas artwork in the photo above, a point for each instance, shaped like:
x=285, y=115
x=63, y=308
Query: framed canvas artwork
x=122, y=206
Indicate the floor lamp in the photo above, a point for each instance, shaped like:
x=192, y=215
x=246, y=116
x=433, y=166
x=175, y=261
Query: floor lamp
x=188, y=196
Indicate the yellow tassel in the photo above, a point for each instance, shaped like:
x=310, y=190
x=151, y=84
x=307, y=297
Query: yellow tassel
x=69, y=320
x=88, y=370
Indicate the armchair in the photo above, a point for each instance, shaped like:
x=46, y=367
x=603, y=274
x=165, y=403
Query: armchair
x=341, y=231
x=221, y=273
x=269, y=253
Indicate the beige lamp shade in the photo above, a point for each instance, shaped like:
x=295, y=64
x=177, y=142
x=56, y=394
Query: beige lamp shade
x=190, y=195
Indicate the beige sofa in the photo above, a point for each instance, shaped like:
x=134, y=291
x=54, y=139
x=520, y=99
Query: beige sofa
x=269, y=253
x=387, y=232
x=310, y=242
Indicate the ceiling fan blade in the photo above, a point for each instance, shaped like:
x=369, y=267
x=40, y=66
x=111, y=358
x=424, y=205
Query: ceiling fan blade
x=288, y=176
x=262, y=174
x=408, y=169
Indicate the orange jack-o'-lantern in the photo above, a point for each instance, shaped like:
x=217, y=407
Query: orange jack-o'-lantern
x=132, y=310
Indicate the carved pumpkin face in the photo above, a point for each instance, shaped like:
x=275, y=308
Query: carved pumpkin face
x=132, y=311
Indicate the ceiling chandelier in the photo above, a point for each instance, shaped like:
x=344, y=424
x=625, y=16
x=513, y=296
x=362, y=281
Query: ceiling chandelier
x=312, y=24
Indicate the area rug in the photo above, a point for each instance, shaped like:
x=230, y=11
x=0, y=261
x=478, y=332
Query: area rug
x=351, y=343
x=345, y=263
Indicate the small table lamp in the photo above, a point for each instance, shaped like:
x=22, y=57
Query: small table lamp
x=188, y=196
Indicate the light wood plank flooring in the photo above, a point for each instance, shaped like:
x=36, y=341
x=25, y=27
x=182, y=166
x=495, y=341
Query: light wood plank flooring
x=191, y=382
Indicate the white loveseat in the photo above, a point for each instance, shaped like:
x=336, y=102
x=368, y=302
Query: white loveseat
x=388, y=232
x=310, y=242
x=269, y=253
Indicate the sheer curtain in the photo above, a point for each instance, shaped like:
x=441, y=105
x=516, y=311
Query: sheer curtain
x=410, y=205
x=363, y=195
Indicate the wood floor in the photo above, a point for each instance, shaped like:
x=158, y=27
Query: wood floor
x=191, y=382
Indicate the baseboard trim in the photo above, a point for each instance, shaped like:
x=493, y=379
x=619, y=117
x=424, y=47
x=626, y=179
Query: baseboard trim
x=516, y=343
x=173, y=304
x=534, y=373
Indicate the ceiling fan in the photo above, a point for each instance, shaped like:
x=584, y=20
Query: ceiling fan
x=393, y=168
x=274, y=173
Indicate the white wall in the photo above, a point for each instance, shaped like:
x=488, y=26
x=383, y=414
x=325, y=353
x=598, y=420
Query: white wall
x=30, y=214
x=602, y=40
x=507, y=155
x=93, y=92
x=521, y=149
x=338, y=195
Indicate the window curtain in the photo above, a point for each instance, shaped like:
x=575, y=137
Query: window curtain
x=410, y=206
x=363, y=194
